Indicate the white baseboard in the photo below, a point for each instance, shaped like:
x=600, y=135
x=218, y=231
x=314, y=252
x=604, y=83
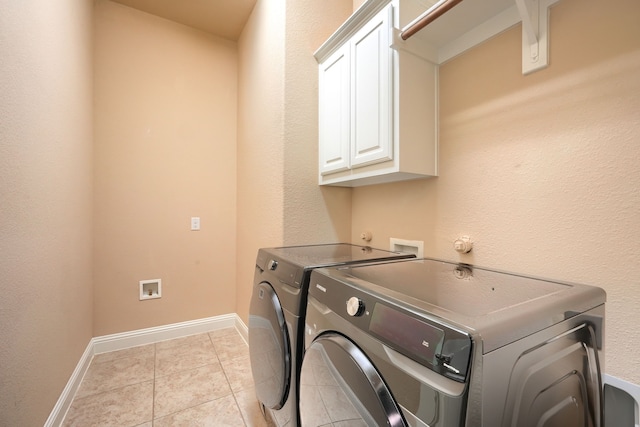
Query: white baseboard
x=56, y=417
x=242, y=329
x=130, y=339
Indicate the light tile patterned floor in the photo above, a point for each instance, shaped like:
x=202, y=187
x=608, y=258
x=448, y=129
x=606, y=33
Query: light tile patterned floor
x=199, y=380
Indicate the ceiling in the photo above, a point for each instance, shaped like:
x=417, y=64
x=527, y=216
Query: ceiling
x=224, y=18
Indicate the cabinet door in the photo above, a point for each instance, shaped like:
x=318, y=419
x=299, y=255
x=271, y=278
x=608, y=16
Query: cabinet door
x=371, y=97
x=333, y=120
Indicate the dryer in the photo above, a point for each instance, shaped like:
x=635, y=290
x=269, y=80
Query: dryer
x=276, y=317
x=431, y=343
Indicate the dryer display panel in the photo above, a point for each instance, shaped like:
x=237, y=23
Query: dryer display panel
x=442, y=349
x=421, y=340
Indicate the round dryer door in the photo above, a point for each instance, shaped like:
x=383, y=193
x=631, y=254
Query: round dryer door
x=269, y=347
x=340, y=386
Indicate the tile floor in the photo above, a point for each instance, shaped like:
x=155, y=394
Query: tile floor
x=199, y=380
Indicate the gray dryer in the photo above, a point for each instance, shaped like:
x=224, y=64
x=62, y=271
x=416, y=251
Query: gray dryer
x=431, y=343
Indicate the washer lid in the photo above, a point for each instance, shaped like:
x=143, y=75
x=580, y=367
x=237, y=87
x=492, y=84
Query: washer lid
x=327, y=255
x=502, y=307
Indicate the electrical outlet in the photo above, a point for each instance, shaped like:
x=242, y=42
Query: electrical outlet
x=195, y=223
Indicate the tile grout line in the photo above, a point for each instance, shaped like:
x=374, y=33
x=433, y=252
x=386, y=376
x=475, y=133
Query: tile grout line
x=229, y=357
x=153, y=389
x=201, y=403
x=233, y=394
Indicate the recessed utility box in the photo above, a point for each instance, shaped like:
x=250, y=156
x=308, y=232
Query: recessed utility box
x=150, y=289
x=409, y=246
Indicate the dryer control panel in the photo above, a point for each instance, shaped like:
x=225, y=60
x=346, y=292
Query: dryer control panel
x=436, y=345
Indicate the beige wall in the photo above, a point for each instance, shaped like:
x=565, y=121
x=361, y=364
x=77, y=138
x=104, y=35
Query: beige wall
x=259, y=145
x=542, y=170
x=165, y=135
x=312, y=214
x=45, y=202
x=279, y=202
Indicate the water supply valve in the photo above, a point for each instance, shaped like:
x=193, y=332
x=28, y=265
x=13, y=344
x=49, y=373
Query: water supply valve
x=463, y=245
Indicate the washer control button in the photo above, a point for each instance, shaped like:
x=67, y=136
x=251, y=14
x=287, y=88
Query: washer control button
x=355, y=306
x=273, y=264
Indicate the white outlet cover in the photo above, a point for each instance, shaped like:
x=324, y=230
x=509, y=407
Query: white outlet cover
x=195, y=223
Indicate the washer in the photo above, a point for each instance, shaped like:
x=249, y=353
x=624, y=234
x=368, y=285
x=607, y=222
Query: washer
x=276, y=317
x=433, y=343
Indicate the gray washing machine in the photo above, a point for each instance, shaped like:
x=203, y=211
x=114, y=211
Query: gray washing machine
x=276, y=317
x=431, y=343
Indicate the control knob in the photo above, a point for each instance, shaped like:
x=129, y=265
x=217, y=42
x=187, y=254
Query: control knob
x=355, y=306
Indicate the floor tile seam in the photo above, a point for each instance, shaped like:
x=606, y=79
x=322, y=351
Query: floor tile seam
x=123, y=350
x=238, y=349
x=213, y=344
x=178, y=340
x=223, y=332
x=186, y=347
x=157, y=377
x=231, y=365
x=196, y=405
x=153, y=388
x=94, y=363
x=164, y=359
x=231, y=359
x=187, y=356
x=210, y=360
x=126, y=349
x=135, y=362
x=211, y=339
x=90, y=377
x=241, y=385
x=229, y=348
x=76, y=397
x=235, y=398
x=242, y=388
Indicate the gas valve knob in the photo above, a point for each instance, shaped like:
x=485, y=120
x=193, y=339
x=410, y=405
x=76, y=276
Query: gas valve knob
x=355, y=307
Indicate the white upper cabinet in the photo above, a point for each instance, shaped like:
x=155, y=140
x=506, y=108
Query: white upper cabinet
x=378, y=93
x=371, y=87
x=377, y=106
x=334, y=112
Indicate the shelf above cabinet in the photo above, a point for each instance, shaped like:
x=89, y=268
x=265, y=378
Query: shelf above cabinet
x=378, y=115
x=466, y=25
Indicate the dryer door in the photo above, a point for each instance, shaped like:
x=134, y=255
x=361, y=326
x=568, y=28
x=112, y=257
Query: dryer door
x=340, y=386
x=269, y=347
